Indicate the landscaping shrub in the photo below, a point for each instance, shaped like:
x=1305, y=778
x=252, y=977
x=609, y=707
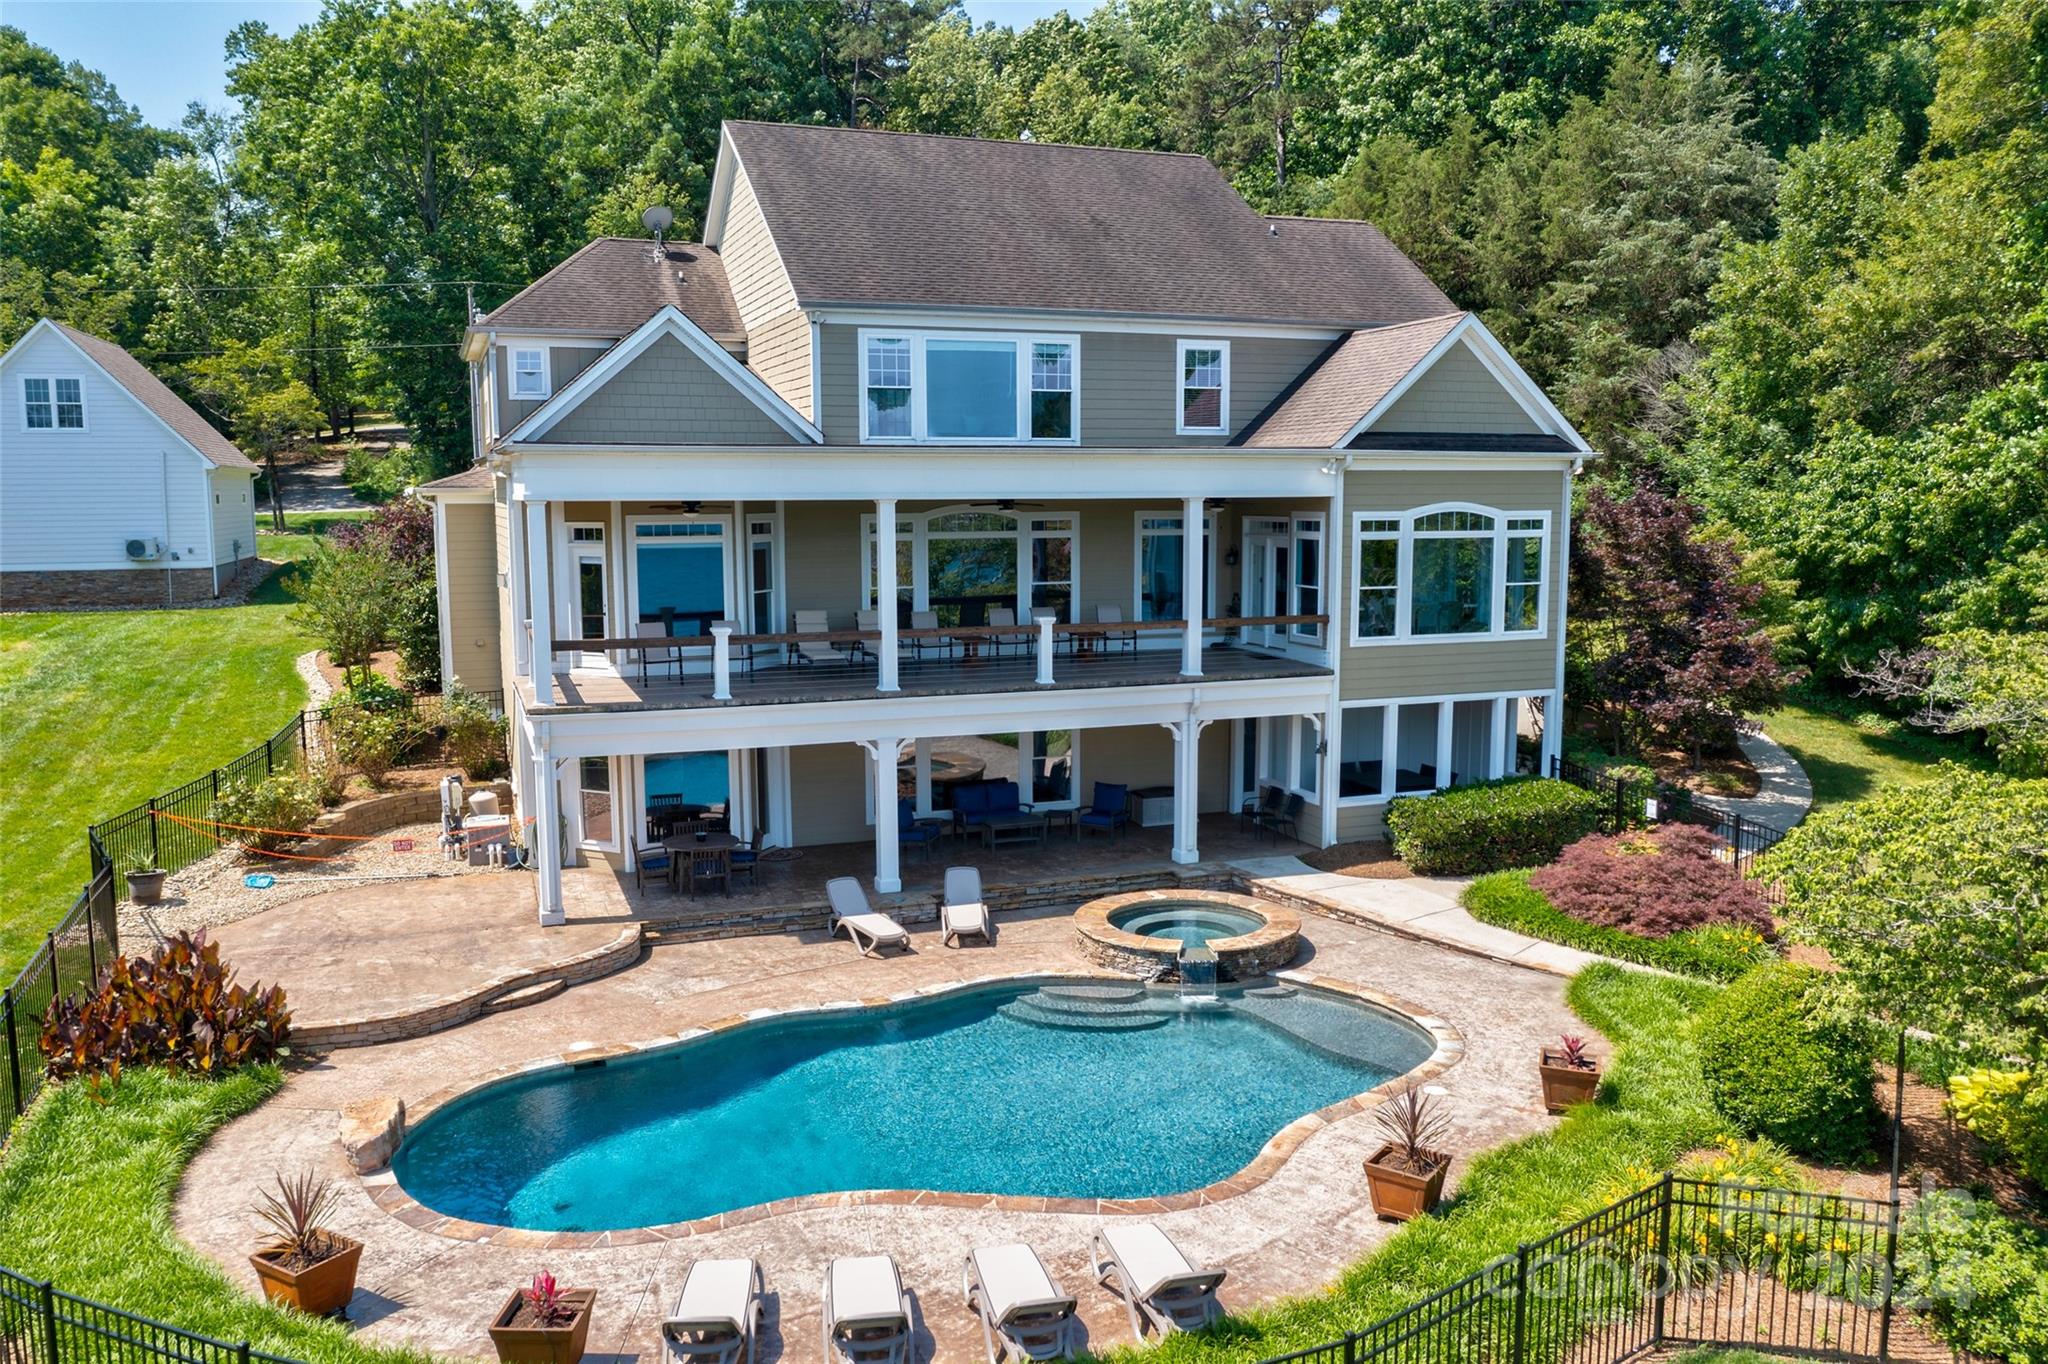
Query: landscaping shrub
x=1782, y=1060
x=1652, y=882
x=476, y=738
x=371, y=727
x=272, y=811
x=2009, y=1110
x=1714, y=952
x=380, y=475
x=1981, y=1277
x=1489, y=826
x=178, y=1009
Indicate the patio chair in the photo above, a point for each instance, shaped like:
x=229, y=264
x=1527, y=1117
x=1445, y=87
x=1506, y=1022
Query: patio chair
x=1153, y=1276
x=817, y=650
x=655, y=861
x=868, y=622
x=717, y=1313
x=654, y=656
x=709, y=866
x=1108, y=811
x=867, y=1313
x=1018, y=1303
x=1110, y=614
x=1284, y=820
x=852, y=914
x=1012, y=638
x=913, y=832
x=1270, y=801
x=962, y=911
x=928, y=646
x=745, y=860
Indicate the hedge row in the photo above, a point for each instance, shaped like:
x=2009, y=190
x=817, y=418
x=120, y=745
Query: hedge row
x=1715, y=952
x=1490, y=826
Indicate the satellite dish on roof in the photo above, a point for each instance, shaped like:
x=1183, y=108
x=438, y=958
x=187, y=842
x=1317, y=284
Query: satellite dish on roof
x=658, y=220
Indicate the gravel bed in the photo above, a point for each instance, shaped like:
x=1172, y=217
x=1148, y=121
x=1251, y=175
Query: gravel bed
x=210, y=891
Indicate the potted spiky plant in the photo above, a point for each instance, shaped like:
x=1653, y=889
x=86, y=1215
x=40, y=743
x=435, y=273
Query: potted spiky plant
x=543, y=1323
x=146, y=885
x=1405, y=1176
x=307, y=1265
x=1570, y=1074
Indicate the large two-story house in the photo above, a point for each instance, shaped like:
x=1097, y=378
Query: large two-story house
x=934, y=437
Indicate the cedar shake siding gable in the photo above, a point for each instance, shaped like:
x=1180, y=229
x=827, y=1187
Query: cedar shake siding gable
x=667, y=395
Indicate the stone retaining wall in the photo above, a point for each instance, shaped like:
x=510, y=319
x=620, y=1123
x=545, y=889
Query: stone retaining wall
x=142, y=586
x=391, y=810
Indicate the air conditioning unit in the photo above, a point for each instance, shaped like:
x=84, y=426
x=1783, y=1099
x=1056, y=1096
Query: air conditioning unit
x=145, y=548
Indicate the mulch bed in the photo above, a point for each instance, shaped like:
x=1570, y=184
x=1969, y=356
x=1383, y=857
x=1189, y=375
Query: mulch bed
x=384, y=663
x=1372, y=859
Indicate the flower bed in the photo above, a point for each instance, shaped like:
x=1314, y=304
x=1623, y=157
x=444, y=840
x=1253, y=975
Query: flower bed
x=1713, y=952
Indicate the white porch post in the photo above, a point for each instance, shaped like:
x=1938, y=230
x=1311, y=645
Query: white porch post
x=1553, y=732
x=541, y=665
x=888, y=876
x=515, y=584
x=885, y=594
x=1497, y=755
x=1045, y=624
x=1187, y=767
x=1329, y=782
x=1192, y=582
x=545, y=839
x=721, y=661
x=1444, y=710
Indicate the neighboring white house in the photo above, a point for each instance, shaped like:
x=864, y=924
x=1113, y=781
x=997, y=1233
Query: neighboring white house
x=112, y=490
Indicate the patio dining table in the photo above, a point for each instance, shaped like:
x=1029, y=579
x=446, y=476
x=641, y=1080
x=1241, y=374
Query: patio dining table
x=689, y=848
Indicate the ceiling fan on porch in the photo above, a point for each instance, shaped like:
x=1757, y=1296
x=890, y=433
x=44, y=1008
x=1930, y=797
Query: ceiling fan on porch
x=1008, y=504
x=687, y=508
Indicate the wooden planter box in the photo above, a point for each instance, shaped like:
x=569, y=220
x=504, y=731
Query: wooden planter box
x=543, y=1344
x=1401, y=1196
x=320, y=1289
x=1565, y=1085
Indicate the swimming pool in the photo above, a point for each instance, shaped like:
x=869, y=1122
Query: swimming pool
x=1073, y=1090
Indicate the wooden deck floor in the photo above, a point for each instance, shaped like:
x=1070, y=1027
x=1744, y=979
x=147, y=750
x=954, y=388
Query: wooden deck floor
x=783, y=685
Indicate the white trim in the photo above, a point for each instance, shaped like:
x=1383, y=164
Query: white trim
x=628, y=548
x=1180, y=359
x=1390, y=738
x=923, y=316
x=544, y=390
x=670, y=321
x=1404, y=573
x=53, y=378
x=1138, y=534
x=919, y=537
x=919, y=340
x=441, y=601
x=1494, y=357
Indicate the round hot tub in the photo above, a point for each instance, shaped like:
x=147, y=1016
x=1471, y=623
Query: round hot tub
x=1143, y=932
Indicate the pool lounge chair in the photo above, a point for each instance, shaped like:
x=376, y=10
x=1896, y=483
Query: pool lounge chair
x=1153, y=1276
x=852, y=913
x=867, y=1313
x=1018, y=1303
x=963, y=911
x=818, y=650
x=717, y=1313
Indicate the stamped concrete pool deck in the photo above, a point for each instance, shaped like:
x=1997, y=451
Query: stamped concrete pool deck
x=1293, y=1233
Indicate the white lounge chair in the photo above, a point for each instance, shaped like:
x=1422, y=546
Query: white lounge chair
x=867, y=1313
x=1017, y=1301
x=963, y=911
x=1108, y=614
x=852, y=914
x=717, y=1313
x=818, y=650
x=1154, y=1277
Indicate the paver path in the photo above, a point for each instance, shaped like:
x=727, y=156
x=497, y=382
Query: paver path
x=1785, y=793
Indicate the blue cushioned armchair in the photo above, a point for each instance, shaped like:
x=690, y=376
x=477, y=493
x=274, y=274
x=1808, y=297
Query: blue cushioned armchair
x=912, y=832
x=1108, y=810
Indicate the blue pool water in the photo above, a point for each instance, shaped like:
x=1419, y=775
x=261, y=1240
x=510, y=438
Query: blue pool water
x=1196, y=923
x=1063, y=1090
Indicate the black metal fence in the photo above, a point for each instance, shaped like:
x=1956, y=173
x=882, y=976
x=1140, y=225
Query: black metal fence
x=69, y=959
x=1680, y=1263
x=1629, y=802
x=40, y=1324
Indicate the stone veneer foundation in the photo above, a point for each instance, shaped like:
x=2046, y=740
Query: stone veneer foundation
x=1257, y=953
x=142, y=586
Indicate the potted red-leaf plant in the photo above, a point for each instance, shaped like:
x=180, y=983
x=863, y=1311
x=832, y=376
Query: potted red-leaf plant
x=1405, y=1176
x=543, y=1323
x=306, y=1265
x=1570, y=1076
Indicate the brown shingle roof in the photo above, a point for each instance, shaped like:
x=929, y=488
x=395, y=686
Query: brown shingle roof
x=125, y=370
x=614, y=284
x=476, y=478
x=943, y=222
x=1355, y=374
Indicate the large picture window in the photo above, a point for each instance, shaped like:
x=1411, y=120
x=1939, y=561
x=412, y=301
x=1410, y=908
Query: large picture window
x=968, y=388
x=958, y=563
x=1447, y=572
x=1159, y=593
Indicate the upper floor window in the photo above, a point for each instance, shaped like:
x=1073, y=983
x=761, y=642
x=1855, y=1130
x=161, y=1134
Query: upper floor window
x=967, y=388
x=529, y=373
x=1451, y=572
x=53, y=404
x=1204, y=388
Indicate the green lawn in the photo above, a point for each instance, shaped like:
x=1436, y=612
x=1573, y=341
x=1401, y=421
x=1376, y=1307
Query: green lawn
x=1849, y=752
x=101, y=710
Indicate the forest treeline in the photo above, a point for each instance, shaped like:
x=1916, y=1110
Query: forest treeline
x=1785, y=258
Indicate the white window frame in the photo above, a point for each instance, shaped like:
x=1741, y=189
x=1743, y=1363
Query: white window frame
x=1180, y=369
x=541, y=391
x=1502, y=723
x=606, y=840
x=915, y=527
x=1162, y=638
x=53, y=429
x=695, y=651
x=1405, y=573
x=1309, y=635
x=920, y=426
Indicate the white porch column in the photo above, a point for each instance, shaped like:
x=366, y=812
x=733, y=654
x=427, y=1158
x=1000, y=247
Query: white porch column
x=541, y=665
x=515, y=583
x=1444, y=711
x=1553, y=732
x=544, y=839
x=1496, y=759
x=885, y=595
x=1045, y=624
x=1329, y=780
x=1192, y=581
x=884, y=752
x=721, y=662
x=1187, y=768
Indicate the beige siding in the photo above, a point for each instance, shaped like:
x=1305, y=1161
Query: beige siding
x=1430, y=669
x=1361, y=821
x=780, y=352
x=821, y=558
x=760, y=286
x=1457, y=394
x=1129, y=388
x=472, y=571
x=827, y=802
x=668, y=396
x=564, y=364
x=1142, y=755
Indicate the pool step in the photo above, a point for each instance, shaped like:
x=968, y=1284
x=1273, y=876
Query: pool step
x=1039, y=1015
x=1104, y=994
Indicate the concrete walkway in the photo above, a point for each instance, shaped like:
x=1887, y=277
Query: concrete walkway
x=1785, y=793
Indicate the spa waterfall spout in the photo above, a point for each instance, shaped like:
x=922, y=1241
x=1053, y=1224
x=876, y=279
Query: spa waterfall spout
x=1198, y=977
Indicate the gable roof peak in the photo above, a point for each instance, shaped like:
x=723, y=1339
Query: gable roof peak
x=155, y=396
